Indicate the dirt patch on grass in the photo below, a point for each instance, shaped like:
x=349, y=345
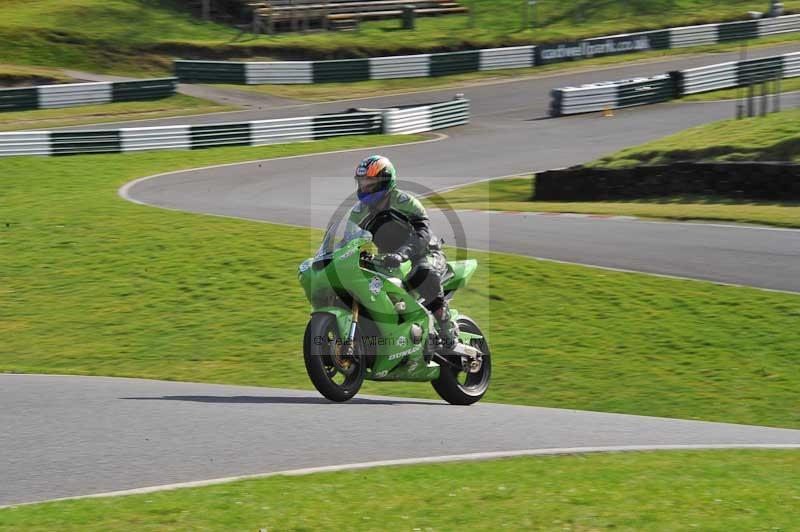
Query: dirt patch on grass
x=11, y=81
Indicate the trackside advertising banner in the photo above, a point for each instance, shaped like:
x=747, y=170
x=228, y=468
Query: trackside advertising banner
x=555, y=53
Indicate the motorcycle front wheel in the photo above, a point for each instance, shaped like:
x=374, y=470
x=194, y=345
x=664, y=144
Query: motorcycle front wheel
x=458, y=387
x=335, y=374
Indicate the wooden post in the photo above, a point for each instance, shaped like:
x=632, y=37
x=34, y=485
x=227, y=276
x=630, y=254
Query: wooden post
x=206, y=9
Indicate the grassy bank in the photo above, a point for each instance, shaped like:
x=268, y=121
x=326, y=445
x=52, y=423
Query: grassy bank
x=709, y=490
x=177, y=105
x=774, y=138
x=140, y=37
x=96, y=285
x=20, y=76
x=514, y=195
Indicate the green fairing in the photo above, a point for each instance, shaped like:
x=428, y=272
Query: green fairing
x=462, y=273
x=353, y=293
x=343, y=272
x=377, y=293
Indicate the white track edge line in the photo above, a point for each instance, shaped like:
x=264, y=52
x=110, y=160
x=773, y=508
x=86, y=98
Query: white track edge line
x=123, y=191
x=652, y=274
x=753, y=227
x=627, y=218
x=422, y=460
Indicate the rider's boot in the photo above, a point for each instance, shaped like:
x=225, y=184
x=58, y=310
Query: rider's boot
x=448, y=328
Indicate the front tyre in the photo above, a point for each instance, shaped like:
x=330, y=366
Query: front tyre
x=335, y=374
x=458, y=387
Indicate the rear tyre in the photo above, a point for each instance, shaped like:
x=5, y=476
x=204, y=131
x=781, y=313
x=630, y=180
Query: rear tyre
x=458, y=387
x=335, y=374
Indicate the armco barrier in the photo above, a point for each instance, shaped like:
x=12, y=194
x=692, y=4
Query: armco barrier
x=297, y=72
x=258, y=133
x=19, y=99
x=753, y=180
x=643, y=91
x=501, y=58
x=737, y=73
x=426, y=118
x=74, y=94
x=343, y=70
x=442, y=64
x=407, y=66
x=611, y=95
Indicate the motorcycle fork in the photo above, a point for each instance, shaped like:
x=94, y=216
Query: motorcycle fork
x=351, y=336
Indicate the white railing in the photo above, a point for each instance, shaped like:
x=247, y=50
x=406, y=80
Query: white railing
x=641, y=91
x=391, y=121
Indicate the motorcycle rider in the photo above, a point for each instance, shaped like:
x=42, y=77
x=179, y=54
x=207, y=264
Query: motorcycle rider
x=401, y=231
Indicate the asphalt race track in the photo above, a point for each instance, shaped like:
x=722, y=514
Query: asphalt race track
x=71, y=436
x=495, y=100
x=508, y=135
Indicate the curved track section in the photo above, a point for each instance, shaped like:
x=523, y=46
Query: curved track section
x=72, y=436
x=289, y=191
x=508, y=135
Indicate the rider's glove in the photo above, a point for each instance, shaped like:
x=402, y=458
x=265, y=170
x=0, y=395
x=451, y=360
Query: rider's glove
x=394, y=260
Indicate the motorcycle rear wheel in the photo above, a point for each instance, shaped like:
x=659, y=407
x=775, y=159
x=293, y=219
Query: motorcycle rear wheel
x=335, y=375
x=461, y=388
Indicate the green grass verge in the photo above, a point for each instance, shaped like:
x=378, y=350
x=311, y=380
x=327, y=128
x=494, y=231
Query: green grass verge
x=140, y=36
x=513, y=195
x=705, y=490
x=787, y=85
x=177, y=105
x=773, y=138
x=99, y=286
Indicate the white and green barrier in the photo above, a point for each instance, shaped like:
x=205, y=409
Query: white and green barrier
x=74, y=94
x=737, y=73
x=256, y=133
x=412, y=120
x=442, y=64
x=611, y=95
x=664, y=87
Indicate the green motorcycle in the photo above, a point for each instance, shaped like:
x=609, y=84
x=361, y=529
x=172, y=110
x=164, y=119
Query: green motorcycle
x=366, y=324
